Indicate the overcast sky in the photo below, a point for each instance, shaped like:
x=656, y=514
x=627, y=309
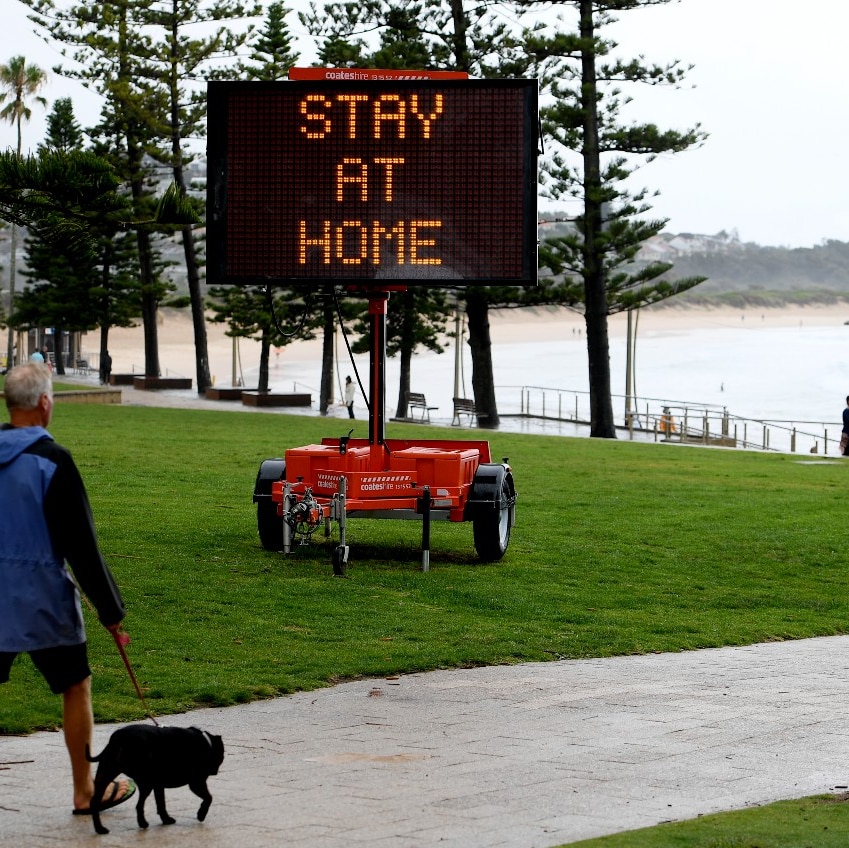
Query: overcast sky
x=770, y=81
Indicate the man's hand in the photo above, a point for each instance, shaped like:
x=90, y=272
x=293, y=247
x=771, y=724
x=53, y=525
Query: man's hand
x=120, y=637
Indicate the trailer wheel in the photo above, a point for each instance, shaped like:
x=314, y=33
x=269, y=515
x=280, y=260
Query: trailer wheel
x=270, y=525
x=491, y=526
x=268, y=522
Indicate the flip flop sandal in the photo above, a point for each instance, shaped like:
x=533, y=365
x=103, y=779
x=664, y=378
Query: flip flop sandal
x=112, y=800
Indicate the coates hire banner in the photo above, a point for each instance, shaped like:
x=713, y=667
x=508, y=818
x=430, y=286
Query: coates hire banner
x=351, y=74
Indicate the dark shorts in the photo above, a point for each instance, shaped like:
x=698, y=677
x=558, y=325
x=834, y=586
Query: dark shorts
x=61, y=667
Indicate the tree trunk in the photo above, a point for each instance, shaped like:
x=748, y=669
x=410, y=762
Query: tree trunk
x=147, y=277
x=189, y=252
x=480, y=342
x=105, y=312
x=264, y=355
x=404, y=383
x=59, y=350
x=150, y=306
x=136, y=178
x=104, y=352
x=198, y=311
x=10, y=348
x=13, y=272
x=595, y=289
x=459, y=42
x=407, y=308
x=325, y=397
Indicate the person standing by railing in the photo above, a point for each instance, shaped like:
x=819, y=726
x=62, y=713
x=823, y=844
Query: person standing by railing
x=667, y=422
x=844, y=436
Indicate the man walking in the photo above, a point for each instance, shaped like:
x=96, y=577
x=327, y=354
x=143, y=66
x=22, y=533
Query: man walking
x=46, y=521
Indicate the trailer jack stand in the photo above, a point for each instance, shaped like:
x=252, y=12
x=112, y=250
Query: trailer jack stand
x=426, y=502
x=338, y=511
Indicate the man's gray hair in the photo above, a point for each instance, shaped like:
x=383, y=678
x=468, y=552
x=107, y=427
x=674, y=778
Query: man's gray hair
x=26, y=384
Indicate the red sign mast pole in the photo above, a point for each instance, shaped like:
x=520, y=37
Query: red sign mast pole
x=377, y=305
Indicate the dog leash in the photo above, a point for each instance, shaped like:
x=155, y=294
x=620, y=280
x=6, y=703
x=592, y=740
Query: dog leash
x=122, y=640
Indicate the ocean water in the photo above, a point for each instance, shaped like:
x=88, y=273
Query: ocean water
x=754, y=370
x=790, y=374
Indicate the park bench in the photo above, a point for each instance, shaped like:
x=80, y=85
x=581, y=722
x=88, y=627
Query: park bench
x=416, y=401
x=464, y=406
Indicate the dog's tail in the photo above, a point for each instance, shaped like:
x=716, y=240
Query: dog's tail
x=88, y=755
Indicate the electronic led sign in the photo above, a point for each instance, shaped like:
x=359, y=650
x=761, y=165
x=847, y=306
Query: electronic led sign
x=423, y=182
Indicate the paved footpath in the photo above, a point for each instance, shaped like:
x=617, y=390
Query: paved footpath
x=521, y=756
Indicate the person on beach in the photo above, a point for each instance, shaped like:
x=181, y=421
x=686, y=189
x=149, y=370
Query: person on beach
x=349, y=396
x=46, y=521
x=844, y=436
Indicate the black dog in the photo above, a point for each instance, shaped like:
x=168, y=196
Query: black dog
x=156, y=758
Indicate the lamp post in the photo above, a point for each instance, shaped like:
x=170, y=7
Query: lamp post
x=630, y=366
x=628, y=387
x=458, y=352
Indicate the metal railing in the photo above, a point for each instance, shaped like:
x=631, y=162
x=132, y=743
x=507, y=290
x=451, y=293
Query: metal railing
x=686, y=422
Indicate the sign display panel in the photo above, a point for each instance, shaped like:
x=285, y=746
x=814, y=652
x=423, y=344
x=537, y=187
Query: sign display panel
x=424, y=182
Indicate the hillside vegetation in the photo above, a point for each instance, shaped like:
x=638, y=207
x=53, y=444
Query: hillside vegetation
x=741, y=273
x=752, y=275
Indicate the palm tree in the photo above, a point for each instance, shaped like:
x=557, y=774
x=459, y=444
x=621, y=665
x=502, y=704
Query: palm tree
x=19, y=82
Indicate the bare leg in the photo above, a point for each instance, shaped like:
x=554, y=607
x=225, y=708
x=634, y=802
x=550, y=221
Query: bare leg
x=78, y=724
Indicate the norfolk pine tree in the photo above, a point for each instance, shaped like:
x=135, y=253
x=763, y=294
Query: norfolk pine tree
x=63, y=130
x=251, y=310
x=471, y=38
x=248, y=310
x=175, y=68
x=58, y=296
x=137, y=55
x=272, y=52
x=415, y=317
x=586, y=118
x=107, y=45
x=112, y=296
x=57, y=192
x=65, y=199
x=55, y=292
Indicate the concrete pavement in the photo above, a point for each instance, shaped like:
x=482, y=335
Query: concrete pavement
x=523, y=756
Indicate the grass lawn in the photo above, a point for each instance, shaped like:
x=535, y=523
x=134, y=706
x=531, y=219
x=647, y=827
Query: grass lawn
x=619, y=548
x=817, y=822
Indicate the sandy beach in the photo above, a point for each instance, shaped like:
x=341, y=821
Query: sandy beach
x=509, y=326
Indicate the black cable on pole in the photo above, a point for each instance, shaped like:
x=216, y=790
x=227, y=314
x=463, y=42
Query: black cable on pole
x=363, y=392
x=280, y=330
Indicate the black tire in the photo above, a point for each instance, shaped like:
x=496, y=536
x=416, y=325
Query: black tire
x=491, y=526
x=269, y=524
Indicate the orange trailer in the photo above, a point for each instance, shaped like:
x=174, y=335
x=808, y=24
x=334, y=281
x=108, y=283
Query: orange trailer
x=314, y=485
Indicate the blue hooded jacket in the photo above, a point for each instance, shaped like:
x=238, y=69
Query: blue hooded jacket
x=45, y=519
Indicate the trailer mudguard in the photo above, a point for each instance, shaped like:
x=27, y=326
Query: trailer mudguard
x=270, y=471
x=493, y=482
